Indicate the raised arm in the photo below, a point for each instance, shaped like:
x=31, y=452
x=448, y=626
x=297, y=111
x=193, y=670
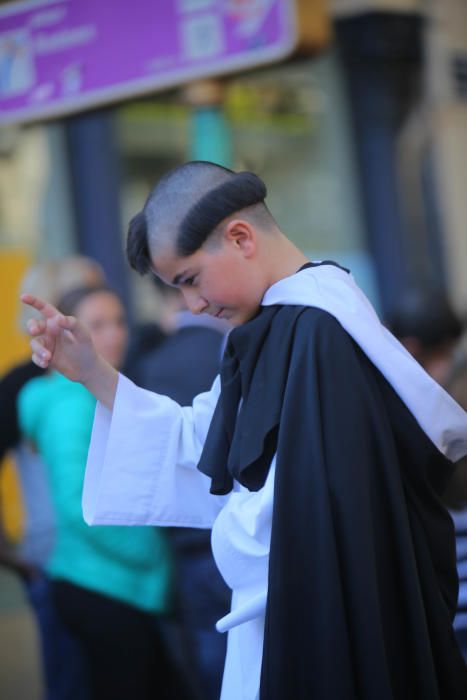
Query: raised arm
x=63, y=343
x=144, y=448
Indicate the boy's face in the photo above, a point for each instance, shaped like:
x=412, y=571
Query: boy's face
x=220, y=280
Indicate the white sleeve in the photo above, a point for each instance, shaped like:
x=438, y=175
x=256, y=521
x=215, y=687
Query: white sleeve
x=141, y=467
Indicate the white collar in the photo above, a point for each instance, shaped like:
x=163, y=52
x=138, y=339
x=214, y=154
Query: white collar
x=331, y=289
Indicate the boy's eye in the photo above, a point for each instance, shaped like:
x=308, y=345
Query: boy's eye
x=189, y=281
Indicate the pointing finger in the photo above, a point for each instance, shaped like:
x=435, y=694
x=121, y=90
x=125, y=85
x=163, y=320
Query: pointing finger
x=68, y=323
x=46, y=309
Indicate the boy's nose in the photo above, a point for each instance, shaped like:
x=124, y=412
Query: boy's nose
x=196, y=303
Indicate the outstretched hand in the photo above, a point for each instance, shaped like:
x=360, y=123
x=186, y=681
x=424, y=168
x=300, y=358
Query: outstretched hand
x=65, y=344
x=59, y=341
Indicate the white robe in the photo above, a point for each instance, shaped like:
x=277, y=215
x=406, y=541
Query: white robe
x=143, y=455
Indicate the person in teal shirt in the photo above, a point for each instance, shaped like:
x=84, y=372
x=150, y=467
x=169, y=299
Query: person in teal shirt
x=107, y=582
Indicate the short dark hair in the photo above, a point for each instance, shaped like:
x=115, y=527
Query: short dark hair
x=186, y=207
x=137, y=245
x=70, y=301
x=427, y=316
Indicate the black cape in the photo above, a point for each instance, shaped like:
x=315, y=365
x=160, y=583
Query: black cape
x=362, y=584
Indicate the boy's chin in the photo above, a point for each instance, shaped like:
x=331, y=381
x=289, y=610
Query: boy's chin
x=238, y=319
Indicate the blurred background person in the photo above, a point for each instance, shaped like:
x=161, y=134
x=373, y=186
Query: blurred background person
x=456, y=499
x=428, y=327
x=61, y=656
x=181, y=367
x=107, y=582
x=53, y=277
x=431, y=331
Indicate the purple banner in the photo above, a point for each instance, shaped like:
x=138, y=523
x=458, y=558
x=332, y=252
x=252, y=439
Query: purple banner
x=62, y=56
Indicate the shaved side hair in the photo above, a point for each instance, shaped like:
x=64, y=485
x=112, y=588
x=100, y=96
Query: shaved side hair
x=187, y=206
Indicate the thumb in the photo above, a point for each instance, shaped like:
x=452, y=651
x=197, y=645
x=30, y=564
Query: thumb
x=67, y=323
x=71, y=324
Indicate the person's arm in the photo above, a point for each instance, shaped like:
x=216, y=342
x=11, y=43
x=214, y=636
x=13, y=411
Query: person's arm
x=9, y=434
x=63, y=343
x=8, y=557
x=144, y=448
x=10, y=384
x=142, y=461
x=10, y=560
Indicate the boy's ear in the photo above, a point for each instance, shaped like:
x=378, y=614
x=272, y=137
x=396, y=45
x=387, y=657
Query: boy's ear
x=242, y=235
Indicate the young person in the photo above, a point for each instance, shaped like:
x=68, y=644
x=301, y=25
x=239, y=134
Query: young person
x=181, y=367
x=108, y=584
x=61, y=658
x=428, y=327
x=321, y=452
x=456, y=499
